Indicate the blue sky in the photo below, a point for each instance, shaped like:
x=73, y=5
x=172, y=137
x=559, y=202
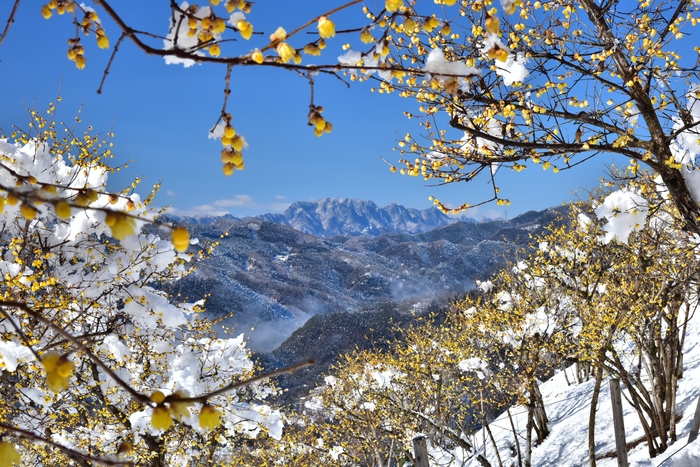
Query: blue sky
x=161, y=115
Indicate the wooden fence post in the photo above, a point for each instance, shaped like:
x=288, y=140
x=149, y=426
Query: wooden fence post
x=618, y=423
x=420, y=451
x=696, y=424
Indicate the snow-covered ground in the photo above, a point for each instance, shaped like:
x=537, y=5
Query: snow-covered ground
x=568, y=410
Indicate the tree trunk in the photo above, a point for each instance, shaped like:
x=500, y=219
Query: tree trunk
x=591, y=416
x=515, y=437
x=540, y=419
x=528, y=441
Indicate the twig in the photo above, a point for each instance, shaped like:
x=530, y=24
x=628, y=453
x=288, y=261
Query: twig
x=227, y=93
x=109, y=64
x=10, y=20
x=232, y=386
x=34, y=437
x=311, y=91
x=312, y=21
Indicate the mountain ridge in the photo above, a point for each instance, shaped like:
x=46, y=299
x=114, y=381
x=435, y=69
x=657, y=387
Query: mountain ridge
x=348, y=217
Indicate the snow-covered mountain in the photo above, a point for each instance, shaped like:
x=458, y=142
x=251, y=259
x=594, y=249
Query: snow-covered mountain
x=354, y=217
x=273, y=277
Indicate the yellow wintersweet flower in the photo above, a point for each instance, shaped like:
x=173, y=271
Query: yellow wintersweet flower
x=157, y=397
x=312, y=49
x=209, y=417
x=218, y=26
x=120, y=224
x=103, y=42
x=214, y=50
x=62, y=209
x=257, y=56
x=366, y=36
x=279, y=35
x=393, y=5
x=228, y=169
x=180, y=410
x=430, y=24
x=180, y=239
x=286, y=52
x=511, y=5
x=161, y=419
x=8, y=454
x=498, y=53
x=27, y=211
x=237, y=143
x=227, y=155
x=245, y=28
x=409, y=25
x=46, y=12
x=493, y=25
x=59, y=370
x=326, y=28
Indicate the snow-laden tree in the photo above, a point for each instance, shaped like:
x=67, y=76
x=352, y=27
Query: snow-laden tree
x=371, y=406
x=615, y=296
x=96, y=360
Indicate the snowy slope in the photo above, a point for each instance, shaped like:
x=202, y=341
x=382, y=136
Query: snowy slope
x=568, y=410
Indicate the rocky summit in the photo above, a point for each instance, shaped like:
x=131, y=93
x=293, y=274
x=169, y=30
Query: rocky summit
x=354, y=217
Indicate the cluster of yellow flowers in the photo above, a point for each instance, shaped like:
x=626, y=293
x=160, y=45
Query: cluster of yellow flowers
x=163, y=415
x=231, y=5
x=61, y=6
x=88, y=20
x=315, y=48
x=206, y=29
x=243, y=26
x=76, y=52
x=232, y=154
x=286, y=52
x=58, y=371
x=320, y=124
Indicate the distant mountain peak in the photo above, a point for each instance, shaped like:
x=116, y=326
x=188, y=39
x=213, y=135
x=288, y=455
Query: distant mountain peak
x=327, y=217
